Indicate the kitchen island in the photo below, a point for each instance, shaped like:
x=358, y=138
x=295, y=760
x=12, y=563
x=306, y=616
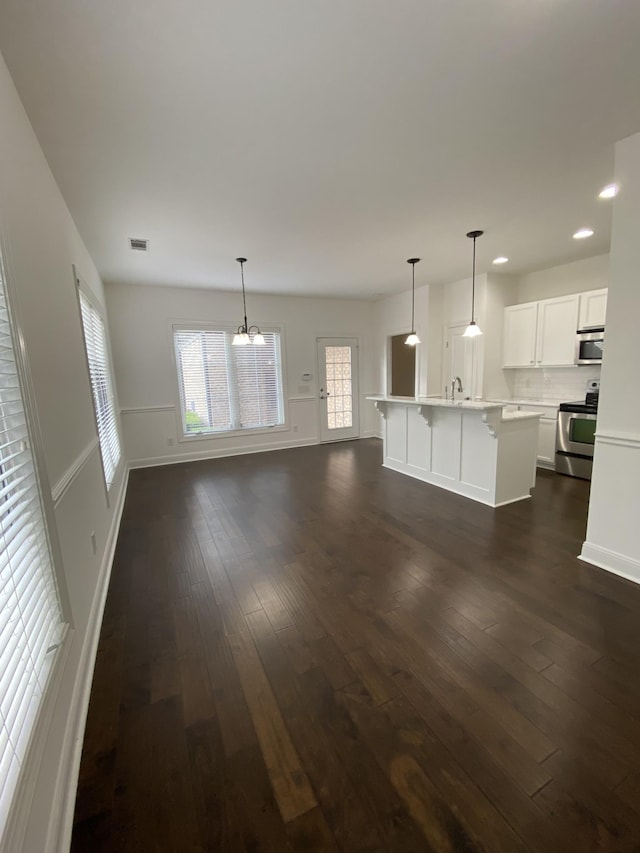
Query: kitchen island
x=478, y=449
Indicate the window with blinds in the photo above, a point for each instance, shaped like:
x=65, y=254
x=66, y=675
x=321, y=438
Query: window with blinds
x=31, y=624
x=95, y=339
x=225, y=388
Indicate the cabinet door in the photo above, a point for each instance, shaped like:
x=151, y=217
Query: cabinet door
x=593, y=309
x=546, y=432
x=547, y=440
x=557, y=324
x=520, y=322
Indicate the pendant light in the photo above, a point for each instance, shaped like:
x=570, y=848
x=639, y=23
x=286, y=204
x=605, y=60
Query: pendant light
x=473, y=329
x=413, y=339
x=243, y=336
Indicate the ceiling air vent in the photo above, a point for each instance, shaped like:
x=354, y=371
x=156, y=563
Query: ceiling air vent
x=138, y=245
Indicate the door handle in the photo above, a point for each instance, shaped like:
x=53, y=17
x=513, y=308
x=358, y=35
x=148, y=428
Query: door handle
x=324, y=397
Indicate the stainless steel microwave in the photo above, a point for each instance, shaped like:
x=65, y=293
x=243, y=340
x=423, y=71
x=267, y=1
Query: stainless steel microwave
x=589, y=346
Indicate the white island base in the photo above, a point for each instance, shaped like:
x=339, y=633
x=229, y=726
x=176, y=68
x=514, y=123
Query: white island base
x=475, y=449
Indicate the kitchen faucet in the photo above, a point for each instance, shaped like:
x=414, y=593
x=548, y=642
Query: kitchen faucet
x=453, y=387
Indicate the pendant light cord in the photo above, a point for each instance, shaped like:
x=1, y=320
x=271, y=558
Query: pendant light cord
x=473, y=283
x=413, y=298
x=244, y=298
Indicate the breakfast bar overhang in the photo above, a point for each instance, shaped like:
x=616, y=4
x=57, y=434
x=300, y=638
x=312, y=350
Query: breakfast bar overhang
x=475, y=448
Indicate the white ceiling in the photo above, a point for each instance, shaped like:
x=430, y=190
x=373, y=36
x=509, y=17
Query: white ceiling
x=326, y=140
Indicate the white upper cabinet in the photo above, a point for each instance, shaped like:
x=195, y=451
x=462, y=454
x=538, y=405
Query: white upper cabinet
x=520, y=326
x=557, y=325
x=543, y=334
x=593, y=309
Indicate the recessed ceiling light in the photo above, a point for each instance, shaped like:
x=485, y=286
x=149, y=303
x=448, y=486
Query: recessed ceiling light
x=583, y=233
x=500, y=260
x=610, y=191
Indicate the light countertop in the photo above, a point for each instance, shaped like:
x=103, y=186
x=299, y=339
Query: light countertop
x=552, y=404
x=477, y=405
x=517, y=415
x=472, y=405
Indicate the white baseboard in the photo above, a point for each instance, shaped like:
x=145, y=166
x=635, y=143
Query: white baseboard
x=199, y=455
x=611, y=561
x=510, y=501
x=62, y=810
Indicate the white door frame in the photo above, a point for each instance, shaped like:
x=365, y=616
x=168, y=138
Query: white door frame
x=469, y=391
x=349, y=432
x=389, y=367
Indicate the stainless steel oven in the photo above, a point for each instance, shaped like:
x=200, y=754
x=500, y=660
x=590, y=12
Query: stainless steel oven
x=589, y=346
x=575, y=439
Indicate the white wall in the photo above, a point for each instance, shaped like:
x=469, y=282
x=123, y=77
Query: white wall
x=40, y=243
x=393, y=317
x=456, y=311
x=140, y=320
x=435, y=340
x=457, y=301
x=492, y=293
x=497, y=383
x=438, y=308
x=614, y=507
x=576, y=277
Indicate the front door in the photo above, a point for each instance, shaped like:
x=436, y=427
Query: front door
x=338, y=387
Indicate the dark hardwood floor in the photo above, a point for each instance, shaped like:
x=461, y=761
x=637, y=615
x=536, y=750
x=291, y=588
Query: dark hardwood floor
x=302, y=651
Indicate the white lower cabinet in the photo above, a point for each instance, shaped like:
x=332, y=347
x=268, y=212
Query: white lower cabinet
x=546, y=456
x=547, y=441
x=472, y=448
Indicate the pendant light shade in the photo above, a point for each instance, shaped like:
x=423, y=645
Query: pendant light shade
x=240, y=339
x=473, y=329
x=243, y=337
x=413, y=339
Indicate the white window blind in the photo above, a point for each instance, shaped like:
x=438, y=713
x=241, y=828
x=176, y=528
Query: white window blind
x=225, y=388
x=95, y=338
x=30, y=616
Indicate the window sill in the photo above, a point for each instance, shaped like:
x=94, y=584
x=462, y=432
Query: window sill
x=231, y=433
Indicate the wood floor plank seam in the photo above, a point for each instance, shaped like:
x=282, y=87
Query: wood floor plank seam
x=303, y=651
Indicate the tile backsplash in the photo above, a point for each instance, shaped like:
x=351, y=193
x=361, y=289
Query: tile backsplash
x=558, y=384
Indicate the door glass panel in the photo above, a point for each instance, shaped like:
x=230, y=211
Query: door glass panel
x=339, y=402
x=583, y=431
